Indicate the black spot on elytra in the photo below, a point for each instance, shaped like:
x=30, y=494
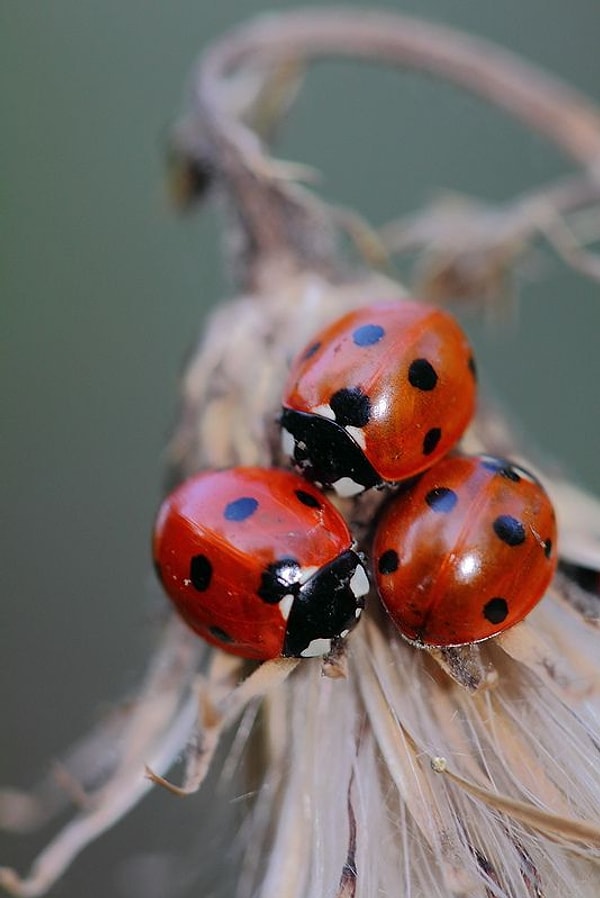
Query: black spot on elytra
x=311, y=351
x=496, y=610
x=388, y=562
x=502, y=467
x=351, y=407
x=547, y=545
x=307, y=499
x=441, y=499
x=509, y=473
x=200, y=572
x=422, y=375
x=240, y=509
x=509, y=530
x=220, y=634
x=431, y=439
x=368, y=334
x=279, y=579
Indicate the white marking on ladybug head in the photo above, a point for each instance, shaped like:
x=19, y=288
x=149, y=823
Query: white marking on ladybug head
x=288, y=443
x=307, y=572
x=346, y=487
x=357, y=613
x=359, y=583
x=285, y=605
x=343, y=634
x=325, y=411
x=316, y=648
x=357, y=434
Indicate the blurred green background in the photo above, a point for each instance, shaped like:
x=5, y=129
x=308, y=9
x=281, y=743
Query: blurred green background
x=104, y=289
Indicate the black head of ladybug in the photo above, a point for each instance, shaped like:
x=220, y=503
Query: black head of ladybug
x=326, y=453
x=326, y=607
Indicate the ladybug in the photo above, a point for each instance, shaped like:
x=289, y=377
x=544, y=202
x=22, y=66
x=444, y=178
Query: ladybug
x=259, y=563
x=378, y=396
x=465, y=552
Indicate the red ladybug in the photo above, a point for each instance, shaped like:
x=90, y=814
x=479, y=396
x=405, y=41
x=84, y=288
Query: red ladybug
x=259, y=563
x=465, y=552
x=379, y=395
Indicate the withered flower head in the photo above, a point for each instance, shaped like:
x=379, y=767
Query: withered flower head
x=384, y=769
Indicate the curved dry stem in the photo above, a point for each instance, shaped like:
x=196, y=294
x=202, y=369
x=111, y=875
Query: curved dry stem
x=156, y=731
x=544, y=821
x=541, y=101
x=467, y=248
x=116, y=799
x=277, y=220
x=214, y=717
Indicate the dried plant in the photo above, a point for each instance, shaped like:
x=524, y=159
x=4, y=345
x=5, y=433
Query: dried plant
x=385, y=770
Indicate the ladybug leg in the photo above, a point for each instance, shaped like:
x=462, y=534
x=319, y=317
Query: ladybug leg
x=335, y=664
x=215, y=715
x=468, y=665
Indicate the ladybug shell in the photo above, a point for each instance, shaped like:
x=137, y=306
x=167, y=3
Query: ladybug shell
x=399, y=377
x=235, y=549
x=465, y=552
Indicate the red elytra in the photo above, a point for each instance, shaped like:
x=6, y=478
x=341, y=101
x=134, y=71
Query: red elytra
x=259, y=563
x=379, y=395
x=466, y=552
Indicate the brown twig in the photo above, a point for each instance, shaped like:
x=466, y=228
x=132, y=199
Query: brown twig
x=276, y=220
x=514, y=221
x=468, y=247
x=540, y=100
